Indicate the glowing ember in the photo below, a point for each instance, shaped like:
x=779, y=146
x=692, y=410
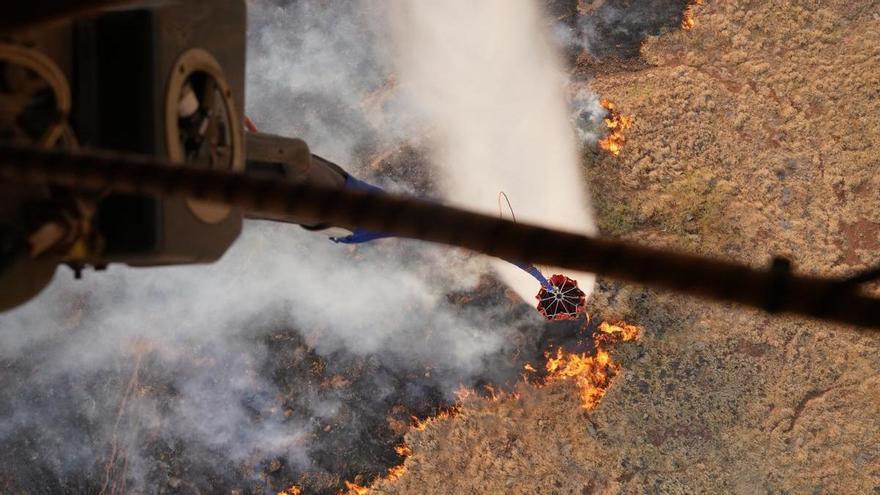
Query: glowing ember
x=617, y=123
x=687, y=18
x=592, y=374
x=294, y=490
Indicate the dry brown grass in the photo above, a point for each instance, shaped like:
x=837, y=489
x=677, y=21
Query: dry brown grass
x=756, y=133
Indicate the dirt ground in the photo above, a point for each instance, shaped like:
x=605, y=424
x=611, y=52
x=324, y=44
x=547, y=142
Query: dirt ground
x=755, y=134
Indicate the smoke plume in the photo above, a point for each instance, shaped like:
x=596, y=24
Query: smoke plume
x=489, y=80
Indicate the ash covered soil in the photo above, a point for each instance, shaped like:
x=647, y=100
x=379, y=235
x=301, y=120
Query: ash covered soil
x=755, y=134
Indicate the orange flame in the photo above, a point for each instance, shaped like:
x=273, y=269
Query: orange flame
x=293, y=490
x=626, y=332
x=354, y=489
x=403, y=450
x=591, y=374
x=394, y=473
x=687, y=17
x=450, y=412
x=617, y=123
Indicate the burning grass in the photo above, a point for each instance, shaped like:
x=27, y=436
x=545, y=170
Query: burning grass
x=687, y=18
x=354, y=489
x=592, y=374
x=591, y=371
x=617, y=124
x=393, y=473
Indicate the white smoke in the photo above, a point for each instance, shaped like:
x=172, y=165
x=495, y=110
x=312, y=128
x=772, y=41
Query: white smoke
x=204, y=326
x=481, y=76
x=490, y=82
x=314, y=68
x=588, y=116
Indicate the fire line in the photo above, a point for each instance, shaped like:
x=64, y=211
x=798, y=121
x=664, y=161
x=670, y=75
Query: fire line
x=592, y=375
